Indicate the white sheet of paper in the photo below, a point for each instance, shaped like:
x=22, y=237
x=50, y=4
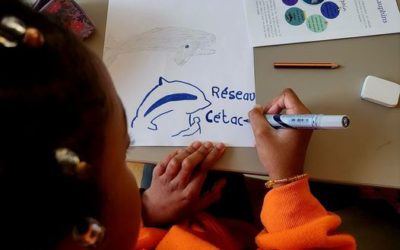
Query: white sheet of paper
x=183, y=69
x=274, y=22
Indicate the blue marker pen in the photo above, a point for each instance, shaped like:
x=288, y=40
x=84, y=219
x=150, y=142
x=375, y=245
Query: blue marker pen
x=309, y=121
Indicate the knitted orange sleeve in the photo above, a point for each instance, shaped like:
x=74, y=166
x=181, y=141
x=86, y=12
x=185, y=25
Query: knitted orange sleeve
x=202, y=231
x=149, y=238
x=294, y=219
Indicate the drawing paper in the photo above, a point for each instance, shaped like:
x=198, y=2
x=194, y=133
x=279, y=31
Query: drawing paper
x=273, y=22
x=183, y=69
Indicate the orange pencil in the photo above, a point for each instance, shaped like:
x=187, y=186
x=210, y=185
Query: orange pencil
x=306, y=65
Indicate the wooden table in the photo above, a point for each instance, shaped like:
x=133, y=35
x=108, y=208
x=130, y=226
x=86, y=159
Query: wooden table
x=366, y=153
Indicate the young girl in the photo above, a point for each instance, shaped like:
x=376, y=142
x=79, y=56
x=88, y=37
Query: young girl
x=63, y=179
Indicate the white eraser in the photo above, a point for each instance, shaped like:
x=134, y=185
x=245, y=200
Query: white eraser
x=380, y=91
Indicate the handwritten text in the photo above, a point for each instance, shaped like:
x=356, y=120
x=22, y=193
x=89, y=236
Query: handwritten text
x=232, y=94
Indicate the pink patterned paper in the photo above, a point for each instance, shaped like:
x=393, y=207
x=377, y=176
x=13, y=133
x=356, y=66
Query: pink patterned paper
x=71, y=15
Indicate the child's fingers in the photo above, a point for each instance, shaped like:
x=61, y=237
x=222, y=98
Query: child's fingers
x=175, y=164
x=272, y=108
x=194, y=186
x=196, y=182
x=287, y=100
x=190, y=163
x=161, y=166
x=259, y=124
x=215, y=154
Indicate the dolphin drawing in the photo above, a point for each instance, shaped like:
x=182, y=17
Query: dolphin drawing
x=172, y=99
x=183, y=42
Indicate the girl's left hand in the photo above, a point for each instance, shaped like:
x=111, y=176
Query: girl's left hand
x=175, y=191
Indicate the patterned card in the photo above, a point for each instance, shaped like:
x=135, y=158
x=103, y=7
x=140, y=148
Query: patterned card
x=70, y=14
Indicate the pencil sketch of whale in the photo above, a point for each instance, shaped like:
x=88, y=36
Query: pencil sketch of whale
x=170, y=108
x=184, y=43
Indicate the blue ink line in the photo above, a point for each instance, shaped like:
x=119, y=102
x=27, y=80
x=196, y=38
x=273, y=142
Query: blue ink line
x=155, y=125
x=170, y=98
x=180, y=132
x=198, y=130
x=194, y=132
x=195, y=120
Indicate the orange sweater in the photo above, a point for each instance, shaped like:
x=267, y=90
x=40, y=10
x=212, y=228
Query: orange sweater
x=293, y=219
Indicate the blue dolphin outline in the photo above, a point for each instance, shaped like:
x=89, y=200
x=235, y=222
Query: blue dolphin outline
x=171, y=98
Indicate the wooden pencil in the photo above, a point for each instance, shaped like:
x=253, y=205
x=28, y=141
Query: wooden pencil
x=306, y=65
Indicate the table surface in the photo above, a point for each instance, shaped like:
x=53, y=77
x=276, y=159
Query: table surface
x=367, y=153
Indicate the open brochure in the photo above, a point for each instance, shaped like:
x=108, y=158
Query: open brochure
x=272, y=22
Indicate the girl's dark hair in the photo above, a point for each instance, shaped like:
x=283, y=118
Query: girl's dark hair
x=50, y=97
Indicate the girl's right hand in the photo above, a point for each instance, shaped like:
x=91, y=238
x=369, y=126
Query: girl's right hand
x=281, y=151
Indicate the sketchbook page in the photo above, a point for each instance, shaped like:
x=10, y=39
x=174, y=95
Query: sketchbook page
x=183, y=69
x=272, y=22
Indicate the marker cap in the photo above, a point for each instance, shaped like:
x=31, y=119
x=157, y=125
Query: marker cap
x=333, y=121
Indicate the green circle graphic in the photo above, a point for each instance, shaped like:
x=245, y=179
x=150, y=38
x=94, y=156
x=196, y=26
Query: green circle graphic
x=316, y=23
x=295, y=16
